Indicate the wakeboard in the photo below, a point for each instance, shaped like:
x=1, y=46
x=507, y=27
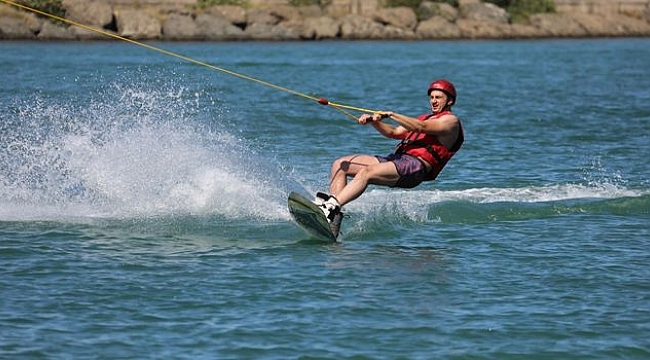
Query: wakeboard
x=310, y=218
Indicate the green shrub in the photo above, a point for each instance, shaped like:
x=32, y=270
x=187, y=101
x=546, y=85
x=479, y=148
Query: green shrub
x=520, y=10
x=306, y=2
x=453, y=3
x=415, y=4
x=409, y=3
x=500, y=3
x=207, y=3
x=53, y=7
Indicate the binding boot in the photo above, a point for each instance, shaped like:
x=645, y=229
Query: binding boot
x=332, y=210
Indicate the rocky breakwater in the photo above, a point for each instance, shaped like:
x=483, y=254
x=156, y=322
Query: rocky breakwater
x=274, y=20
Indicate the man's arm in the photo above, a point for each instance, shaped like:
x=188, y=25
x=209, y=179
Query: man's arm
x=389, y=131
x=446, y=128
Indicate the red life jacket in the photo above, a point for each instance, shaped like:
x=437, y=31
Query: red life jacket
x=428, y=148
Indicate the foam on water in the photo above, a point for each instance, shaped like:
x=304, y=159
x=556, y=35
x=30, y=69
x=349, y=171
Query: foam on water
x=131, y=152
x=426, y=205
x=597, y=184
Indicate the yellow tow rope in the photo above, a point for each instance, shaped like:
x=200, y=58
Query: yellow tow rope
x=322, y=101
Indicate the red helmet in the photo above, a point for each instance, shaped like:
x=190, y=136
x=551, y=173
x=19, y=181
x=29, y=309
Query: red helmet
x=444, y=86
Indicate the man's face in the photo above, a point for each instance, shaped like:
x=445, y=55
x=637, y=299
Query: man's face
x=437, y=100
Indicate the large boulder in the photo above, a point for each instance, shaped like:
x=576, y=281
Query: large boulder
x=311, y=11
x=483, y=12
x=216, y=27
x=519, y=31
x=286, y=13
x=557, y=25
x=92, y=13
x=437, y=27
x=277, y=23
x=136, y=24
x=429, y=9
x=260, y=31
x=15, y=24
x=323, y=27
x=359, y=27
x=472, y=29
x=52, y=31
x=235, y=14
x=396, y=33
x=314, y=28
x=400, y=17
x=627, y=26
x=96, y=14
x=262, y=17
x=180, y=27
x=15, y=28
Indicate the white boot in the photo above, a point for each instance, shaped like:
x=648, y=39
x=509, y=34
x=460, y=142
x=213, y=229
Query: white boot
x=321, y=197
x=329, y=205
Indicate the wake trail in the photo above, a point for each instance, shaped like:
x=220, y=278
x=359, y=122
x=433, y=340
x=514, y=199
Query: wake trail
x=542, y=201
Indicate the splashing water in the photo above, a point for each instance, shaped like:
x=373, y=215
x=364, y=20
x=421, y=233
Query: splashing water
x=136, y=152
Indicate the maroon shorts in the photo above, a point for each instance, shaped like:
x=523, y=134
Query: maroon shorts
x=411, y=170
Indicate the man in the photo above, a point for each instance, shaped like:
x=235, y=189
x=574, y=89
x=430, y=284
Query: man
x=427, y=143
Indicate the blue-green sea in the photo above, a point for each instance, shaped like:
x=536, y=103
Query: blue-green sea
x=143, y=203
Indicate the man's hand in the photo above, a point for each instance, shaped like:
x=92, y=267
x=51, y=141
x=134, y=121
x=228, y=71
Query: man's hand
x=383, y=114
x=365, y=119
x=375, y=117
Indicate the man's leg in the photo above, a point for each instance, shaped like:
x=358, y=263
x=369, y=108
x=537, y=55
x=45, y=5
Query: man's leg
x=347, y=166
x=366, y=170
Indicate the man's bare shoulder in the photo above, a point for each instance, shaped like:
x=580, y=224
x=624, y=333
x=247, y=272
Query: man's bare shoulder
x=446, y=122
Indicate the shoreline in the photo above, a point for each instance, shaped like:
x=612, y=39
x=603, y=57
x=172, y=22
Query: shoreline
x=472, y=20
x=337, y=40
